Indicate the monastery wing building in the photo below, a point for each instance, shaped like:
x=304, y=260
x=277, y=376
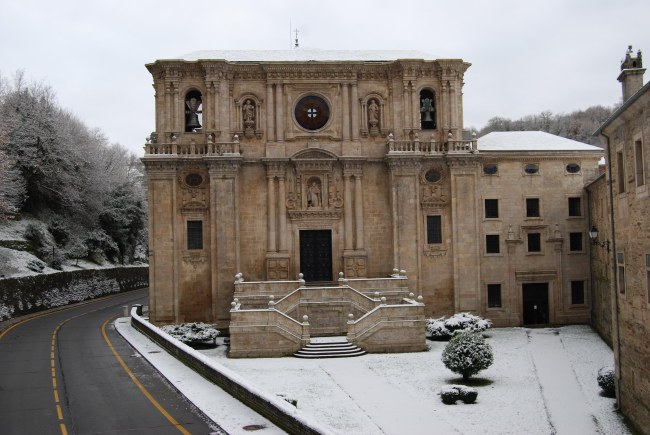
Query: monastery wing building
x=274, y=170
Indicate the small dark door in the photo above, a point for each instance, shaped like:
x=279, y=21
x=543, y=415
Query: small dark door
x=316, y=255
x=535, y=297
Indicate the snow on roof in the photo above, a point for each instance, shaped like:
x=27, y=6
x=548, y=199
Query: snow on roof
x=304, y=55
x=530, y=141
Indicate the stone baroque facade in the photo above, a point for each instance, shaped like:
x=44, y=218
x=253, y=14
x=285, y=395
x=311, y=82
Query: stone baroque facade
x=626, y=135
x=272, y=164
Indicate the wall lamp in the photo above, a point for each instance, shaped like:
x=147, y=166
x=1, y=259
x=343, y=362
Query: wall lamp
x=593, y=235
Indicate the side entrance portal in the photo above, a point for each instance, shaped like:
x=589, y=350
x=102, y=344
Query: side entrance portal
x=535, y=297
x=316, y=255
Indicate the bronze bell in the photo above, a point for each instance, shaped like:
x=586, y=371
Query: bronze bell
x=426, y=107
x=192, y=114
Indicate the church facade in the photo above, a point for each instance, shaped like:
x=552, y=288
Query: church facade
x=309, y=167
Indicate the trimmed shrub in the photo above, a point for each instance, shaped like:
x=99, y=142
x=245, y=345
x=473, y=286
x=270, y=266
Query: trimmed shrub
x=451, y=393
x=193, y=334
x=606, y=381
x=444, y=329
x=467, y=354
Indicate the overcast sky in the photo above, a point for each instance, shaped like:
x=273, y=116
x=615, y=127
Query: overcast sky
x=527, y=55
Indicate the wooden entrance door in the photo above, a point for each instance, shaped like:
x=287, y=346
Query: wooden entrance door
x=535, y=299
x=316, y=255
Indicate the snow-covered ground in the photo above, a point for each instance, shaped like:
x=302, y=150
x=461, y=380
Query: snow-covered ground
x=542, y=381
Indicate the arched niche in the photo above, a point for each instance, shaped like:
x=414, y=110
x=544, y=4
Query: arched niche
x=373, y=115
x=249, y=116
x=193, y=107
x=428, y=109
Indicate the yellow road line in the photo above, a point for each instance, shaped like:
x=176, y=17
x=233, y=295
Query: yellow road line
x=139, y=385
x=54, y=335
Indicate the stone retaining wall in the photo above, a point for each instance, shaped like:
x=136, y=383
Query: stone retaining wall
x=276, y=410
x=29, y=294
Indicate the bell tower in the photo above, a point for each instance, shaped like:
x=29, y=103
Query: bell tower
x=631, y=75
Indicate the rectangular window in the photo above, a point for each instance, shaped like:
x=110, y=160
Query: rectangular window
x=620, y=267
x=434, y=229
x=194, y=234
x=534, y=242
x=575, y=206
x=494, y=295
x=575, y=241
x=532, y=207
x=620, y=170
x=491, y=208
x=492, y=244
x=577, y=292
x=647, y=277
x=638, y=160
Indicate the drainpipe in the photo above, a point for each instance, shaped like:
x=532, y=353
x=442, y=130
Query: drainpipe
x=615, y=271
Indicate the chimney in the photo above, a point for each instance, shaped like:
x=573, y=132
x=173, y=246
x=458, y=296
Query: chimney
x=631, y=73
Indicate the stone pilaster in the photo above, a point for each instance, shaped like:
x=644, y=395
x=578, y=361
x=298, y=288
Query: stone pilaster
x=223, y=190
x=466, y=235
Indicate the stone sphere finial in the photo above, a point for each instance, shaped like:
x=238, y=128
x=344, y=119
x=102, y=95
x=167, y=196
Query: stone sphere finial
x=305, y=318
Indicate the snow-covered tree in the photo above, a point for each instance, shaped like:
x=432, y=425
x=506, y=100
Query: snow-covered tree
x=467, y=354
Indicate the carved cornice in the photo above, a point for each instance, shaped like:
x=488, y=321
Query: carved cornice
x=215, y=70
x=313, y=215
x=411, y=164
x=222, y=166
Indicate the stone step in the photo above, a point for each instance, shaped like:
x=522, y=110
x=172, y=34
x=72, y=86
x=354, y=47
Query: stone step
x=329, y=350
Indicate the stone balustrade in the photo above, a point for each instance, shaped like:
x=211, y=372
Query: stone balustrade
x=191, y=147
x=431, y=146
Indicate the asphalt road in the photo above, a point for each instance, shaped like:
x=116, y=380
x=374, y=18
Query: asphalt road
x=60, y=373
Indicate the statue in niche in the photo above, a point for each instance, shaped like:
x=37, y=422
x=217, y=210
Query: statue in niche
x=248, y=112
x=373, y=117
x=314, y=195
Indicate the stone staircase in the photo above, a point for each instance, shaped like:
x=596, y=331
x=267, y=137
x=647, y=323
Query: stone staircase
x=329, y=347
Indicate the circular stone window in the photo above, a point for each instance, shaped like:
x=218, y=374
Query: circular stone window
x=312, y=112
x=193, y=180
x=531, y=168
x=573, y=168
x=433, y=176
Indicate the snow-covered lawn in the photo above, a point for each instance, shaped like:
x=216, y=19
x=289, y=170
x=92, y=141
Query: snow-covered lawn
x=542, y=381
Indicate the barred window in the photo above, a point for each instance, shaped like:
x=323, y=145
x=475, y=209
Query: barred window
x=534, y=242
x=434, y=229
x=491, y=208
x=492, y=244
x=575, y=241
x=194, y=234
x=494, y=295
x=577, y=292
x=532, y=207
x=575, y=206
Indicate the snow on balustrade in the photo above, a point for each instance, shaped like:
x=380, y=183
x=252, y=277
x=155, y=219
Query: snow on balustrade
x=430, y=146
x=194, y=148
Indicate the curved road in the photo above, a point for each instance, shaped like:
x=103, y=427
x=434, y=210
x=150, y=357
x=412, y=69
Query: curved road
x=69, y=372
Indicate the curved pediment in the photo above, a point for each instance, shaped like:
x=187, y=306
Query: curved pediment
x=314, y=154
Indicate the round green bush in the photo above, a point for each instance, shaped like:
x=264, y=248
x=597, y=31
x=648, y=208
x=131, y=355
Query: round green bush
x=606, y=381
x=467, y=354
